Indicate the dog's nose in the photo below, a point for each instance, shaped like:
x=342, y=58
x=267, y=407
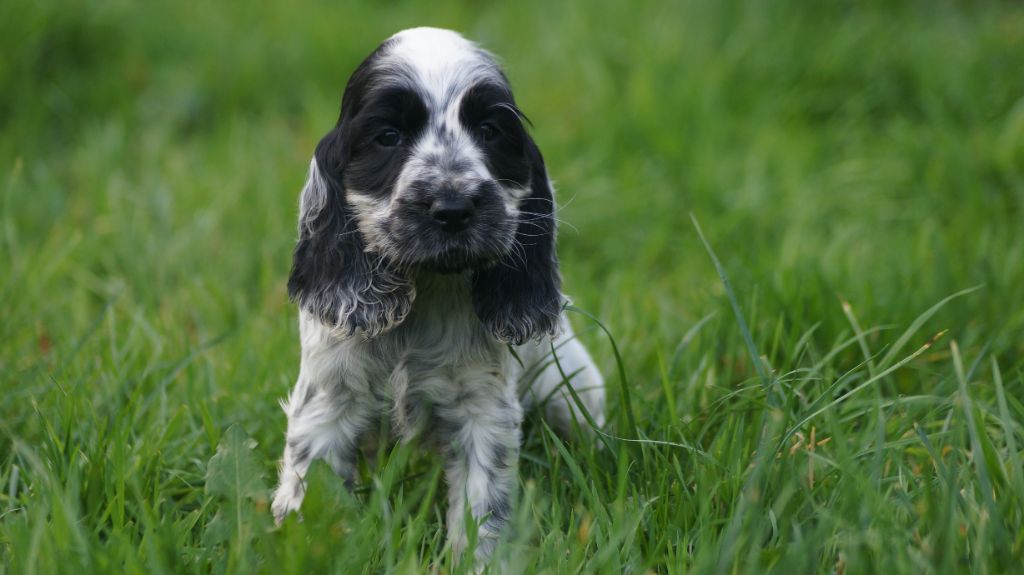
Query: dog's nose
x=453, y=213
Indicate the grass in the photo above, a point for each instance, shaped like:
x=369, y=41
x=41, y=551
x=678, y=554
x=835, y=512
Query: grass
x=846, y=396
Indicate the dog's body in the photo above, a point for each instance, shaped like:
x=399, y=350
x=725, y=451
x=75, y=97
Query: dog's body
x=425, y=255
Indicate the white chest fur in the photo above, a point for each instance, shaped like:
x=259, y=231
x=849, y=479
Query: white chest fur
x=441, y=355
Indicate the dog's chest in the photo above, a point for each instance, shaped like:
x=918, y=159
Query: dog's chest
x=442, y=334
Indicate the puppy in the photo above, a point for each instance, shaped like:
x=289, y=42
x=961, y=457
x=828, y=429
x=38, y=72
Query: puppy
x=427, y=281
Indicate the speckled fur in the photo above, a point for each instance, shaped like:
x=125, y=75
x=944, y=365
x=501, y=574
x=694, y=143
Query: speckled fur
x=439, y=377
x=385, y=338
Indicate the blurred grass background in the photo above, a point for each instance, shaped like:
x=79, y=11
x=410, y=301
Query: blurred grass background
x=871, y=153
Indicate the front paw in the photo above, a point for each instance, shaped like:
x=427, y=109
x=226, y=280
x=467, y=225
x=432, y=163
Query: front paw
x=287, y=499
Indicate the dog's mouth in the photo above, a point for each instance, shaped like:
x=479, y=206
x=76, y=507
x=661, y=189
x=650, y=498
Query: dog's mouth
x=419, y=244
x=445, y=257
x=454, y=255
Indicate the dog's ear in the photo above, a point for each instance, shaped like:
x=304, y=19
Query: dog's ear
x=520, y=298
x=333, y=277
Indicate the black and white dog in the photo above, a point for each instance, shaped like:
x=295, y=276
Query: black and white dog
x=427, y=280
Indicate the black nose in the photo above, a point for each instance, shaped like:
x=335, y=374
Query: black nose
x=452, y=213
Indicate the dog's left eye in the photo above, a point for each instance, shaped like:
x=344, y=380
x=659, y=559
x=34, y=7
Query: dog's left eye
x=389, y=138
x=488, y=131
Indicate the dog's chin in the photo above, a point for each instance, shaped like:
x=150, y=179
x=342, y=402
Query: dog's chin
x=455, y=263
x=444, y=261
x=430, y=251
x=456, y=258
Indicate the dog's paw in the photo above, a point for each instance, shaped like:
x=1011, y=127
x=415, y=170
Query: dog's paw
x=287, y=499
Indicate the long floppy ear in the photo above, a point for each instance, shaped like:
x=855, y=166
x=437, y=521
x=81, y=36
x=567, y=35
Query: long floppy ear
x=333, y=277
x=520, y=298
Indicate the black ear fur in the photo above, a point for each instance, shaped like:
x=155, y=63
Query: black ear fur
x=520, y=298
x=332, y=276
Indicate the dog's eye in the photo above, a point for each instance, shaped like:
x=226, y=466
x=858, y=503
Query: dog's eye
x=488, y=131
x=389, y=138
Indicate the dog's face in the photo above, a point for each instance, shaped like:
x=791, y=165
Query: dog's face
x=437, y=162
x=429, y=168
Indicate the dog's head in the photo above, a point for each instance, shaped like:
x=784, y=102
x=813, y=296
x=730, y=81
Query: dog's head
x=428, y=169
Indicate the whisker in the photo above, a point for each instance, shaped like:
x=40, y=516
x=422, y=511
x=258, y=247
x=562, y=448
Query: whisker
x=540, y=217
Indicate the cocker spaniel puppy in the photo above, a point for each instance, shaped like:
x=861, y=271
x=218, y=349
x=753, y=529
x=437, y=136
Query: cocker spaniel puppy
x=427, y=280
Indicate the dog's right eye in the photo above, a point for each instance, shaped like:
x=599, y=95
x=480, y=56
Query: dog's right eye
x=489, y=131
x=389, y=138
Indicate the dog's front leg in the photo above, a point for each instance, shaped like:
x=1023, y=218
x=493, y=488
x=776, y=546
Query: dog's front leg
x=324, y=421
x=479, y=431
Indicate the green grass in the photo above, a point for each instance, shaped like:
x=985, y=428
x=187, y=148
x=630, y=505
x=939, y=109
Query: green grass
x=851, y=166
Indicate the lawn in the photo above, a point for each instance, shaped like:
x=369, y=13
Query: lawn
x=844, y=395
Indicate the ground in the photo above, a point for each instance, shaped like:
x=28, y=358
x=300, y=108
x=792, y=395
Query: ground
x=846, y=396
